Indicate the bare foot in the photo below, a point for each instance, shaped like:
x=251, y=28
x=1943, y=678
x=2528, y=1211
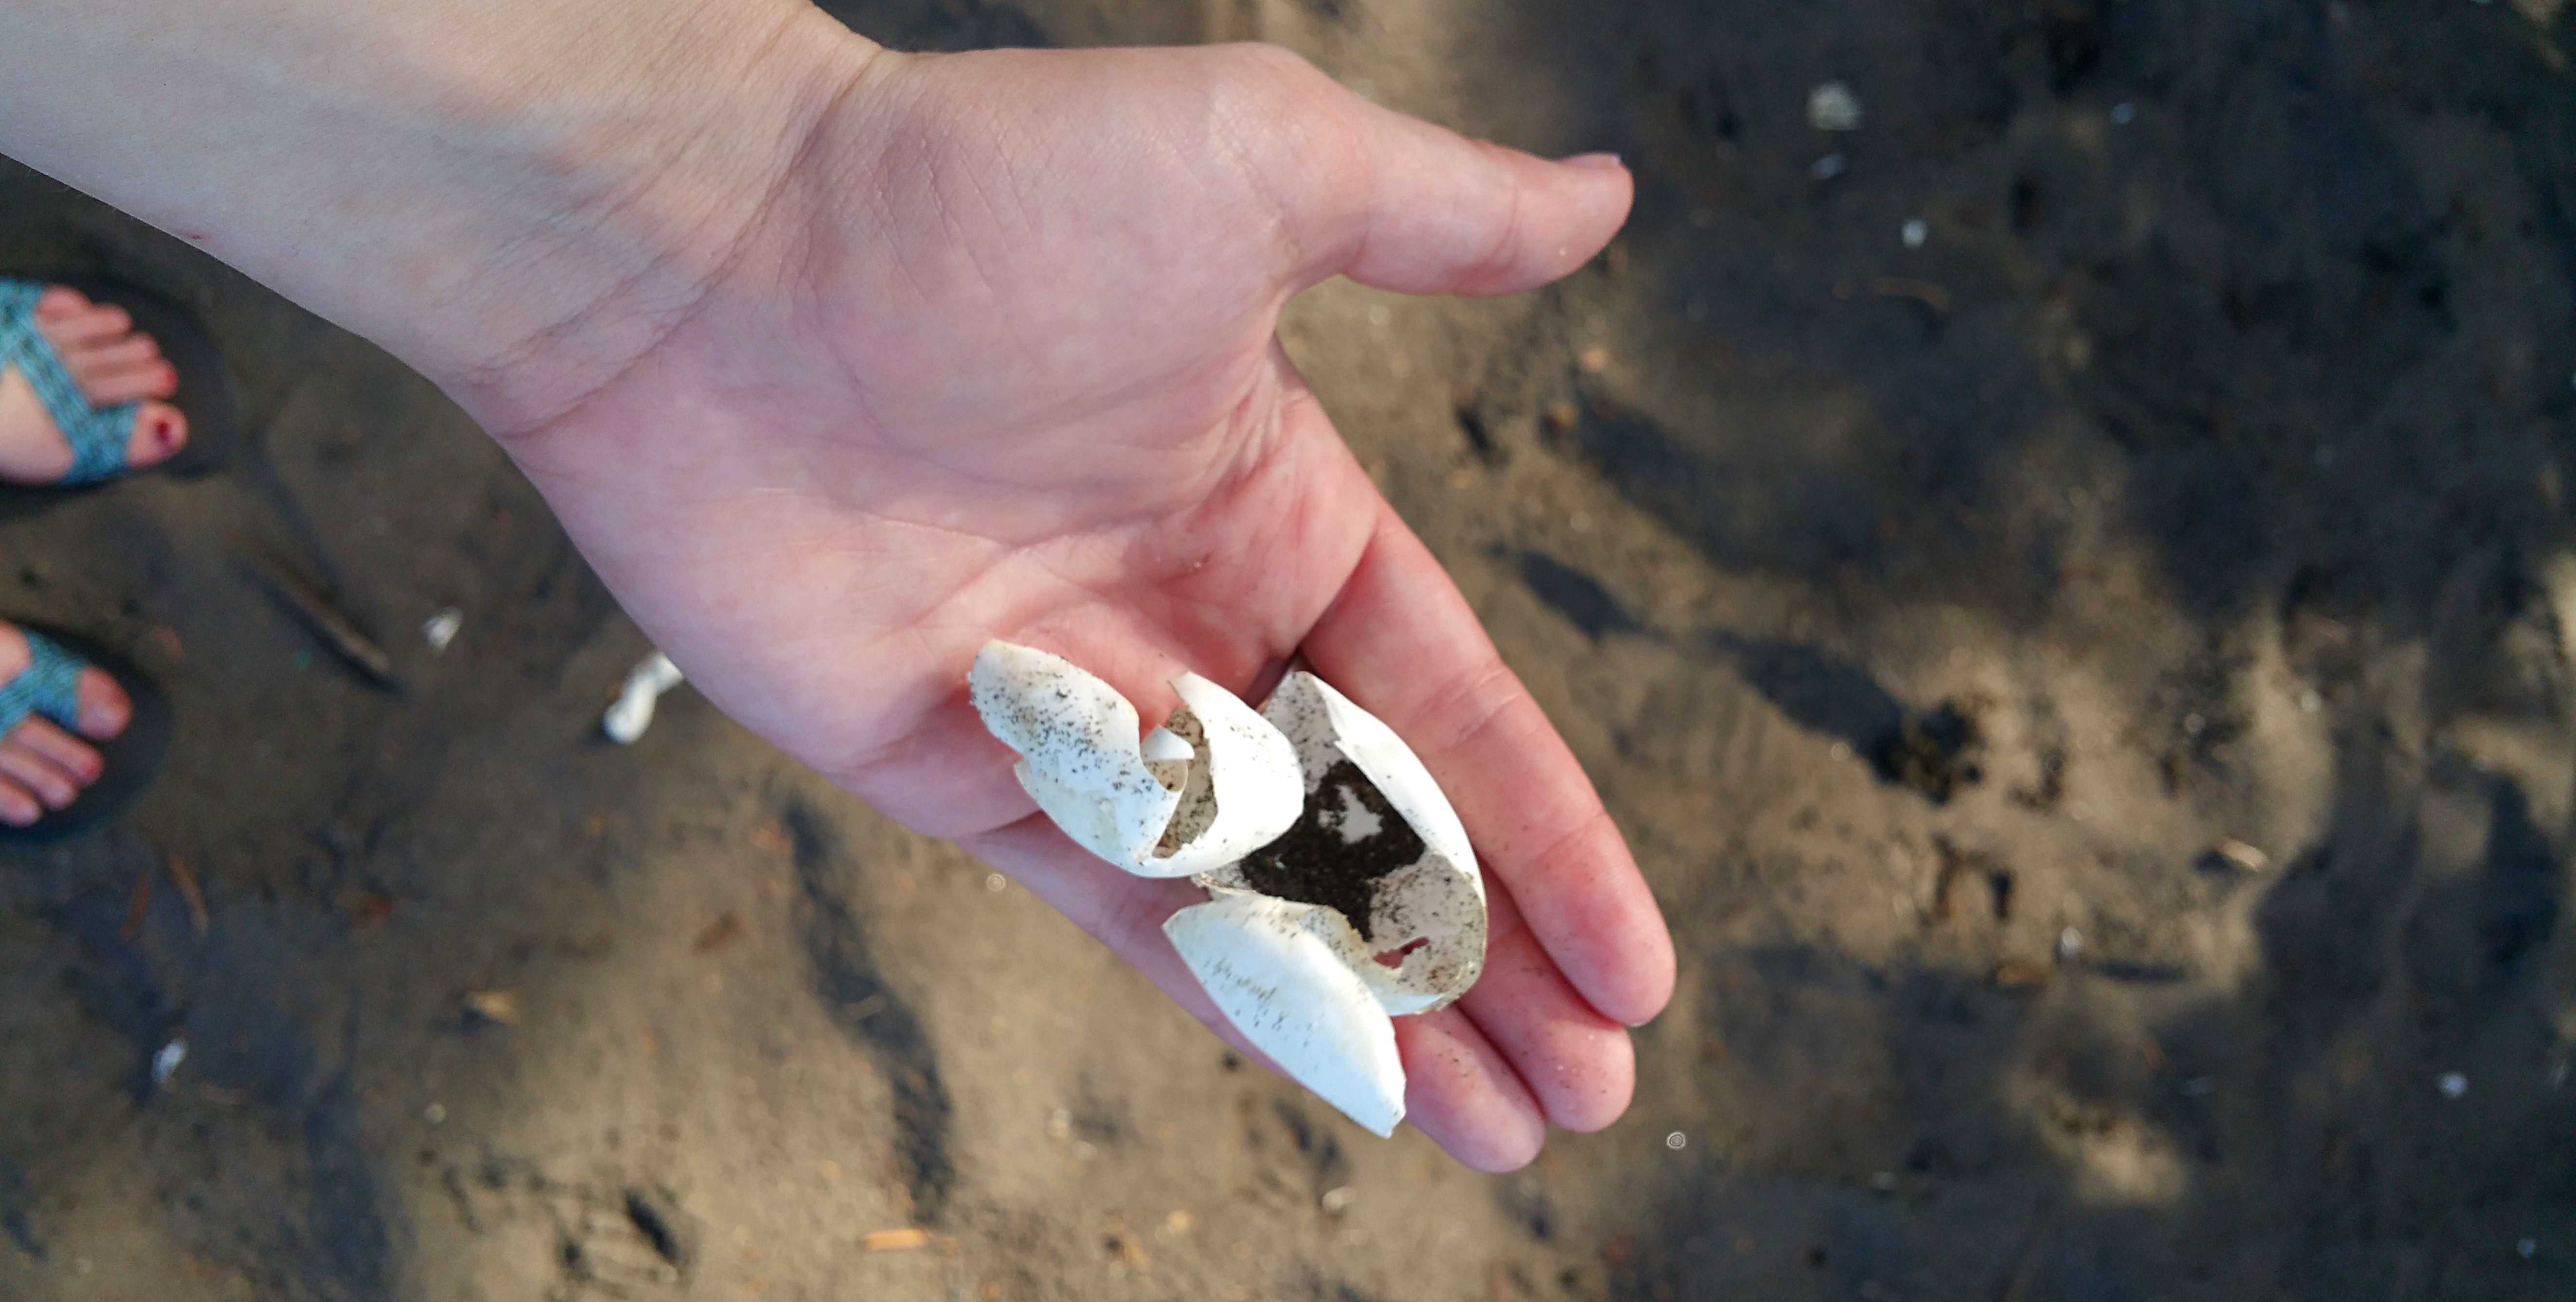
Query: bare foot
x=43, y=766
x=112, y=365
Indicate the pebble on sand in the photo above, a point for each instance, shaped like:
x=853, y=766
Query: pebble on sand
x=1832, y=106
x=2241, y=854
x=441, y=629
x=167, y=1060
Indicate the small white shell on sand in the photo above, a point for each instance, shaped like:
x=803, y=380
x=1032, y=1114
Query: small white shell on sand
x=1278, y=972
x=441, y=629
x=1228, y=787
x=632, y=712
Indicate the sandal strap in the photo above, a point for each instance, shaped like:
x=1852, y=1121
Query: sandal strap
x=98, y=435
x=49, y=685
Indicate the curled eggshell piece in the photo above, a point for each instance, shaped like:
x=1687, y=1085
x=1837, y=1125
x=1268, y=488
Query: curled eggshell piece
x=1211, y=785
x=1278, y=972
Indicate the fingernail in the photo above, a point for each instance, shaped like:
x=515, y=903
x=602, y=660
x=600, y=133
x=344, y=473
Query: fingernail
x=1600, y=162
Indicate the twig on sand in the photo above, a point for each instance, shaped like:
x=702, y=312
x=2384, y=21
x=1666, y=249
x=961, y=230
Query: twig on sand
x=137, y=905
x=2029, y=1266
x=181, y=875
x=334, y=628
x=1921, y=291
x=185, y=878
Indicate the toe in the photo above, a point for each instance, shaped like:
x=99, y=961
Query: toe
x=37, y=775
x=134, y=383
x=85, y=327
x=60, y=301
x=159, y=432
x=104, y=708
x=65, y=751
x=17, y=807
x=106, y=356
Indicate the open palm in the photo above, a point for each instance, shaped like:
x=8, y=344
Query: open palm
x=998, y=360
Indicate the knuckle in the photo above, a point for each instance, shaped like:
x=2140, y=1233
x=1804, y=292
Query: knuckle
x=1475, y=703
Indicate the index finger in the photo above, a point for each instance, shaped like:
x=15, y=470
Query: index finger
x=1401, y=641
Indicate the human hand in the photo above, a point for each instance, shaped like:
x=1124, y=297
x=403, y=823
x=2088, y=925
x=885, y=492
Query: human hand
x=996, y=358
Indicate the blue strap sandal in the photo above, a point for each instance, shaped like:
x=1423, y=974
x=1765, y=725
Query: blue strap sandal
x=49, y=688
x=49, y=685
x=98, y=434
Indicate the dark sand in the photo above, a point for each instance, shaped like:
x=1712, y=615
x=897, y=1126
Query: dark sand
x=2092, y=693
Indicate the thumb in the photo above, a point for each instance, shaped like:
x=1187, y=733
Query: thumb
x=1423, y=210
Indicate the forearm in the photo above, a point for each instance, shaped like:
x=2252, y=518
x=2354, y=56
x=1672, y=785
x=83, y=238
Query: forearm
x=454, y=179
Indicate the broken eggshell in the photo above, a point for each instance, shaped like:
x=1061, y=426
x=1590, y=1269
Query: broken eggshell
x=1379, y=864
x=632, y=712
x=1275, y=970
x=1211, y=785
x=1343, y=890
x=1379, y=845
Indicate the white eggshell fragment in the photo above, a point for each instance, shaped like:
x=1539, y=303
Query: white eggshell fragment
x=632, y=712
x=1282, y=972
x=1214, y=783
x=1380, y=845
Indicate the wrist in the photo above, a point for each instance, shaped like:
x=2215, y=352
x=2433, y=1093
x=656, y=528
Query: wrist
x=623, y=186
x=475, y=185
x=612, y=181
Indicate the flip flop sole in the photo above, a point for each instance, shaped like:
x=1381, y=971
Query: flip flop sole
x=134, y=757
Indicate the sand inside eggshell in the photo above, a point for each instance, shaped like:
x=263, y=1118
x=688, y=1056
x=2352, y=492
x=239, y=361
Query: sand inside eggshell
x=1349, y=840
